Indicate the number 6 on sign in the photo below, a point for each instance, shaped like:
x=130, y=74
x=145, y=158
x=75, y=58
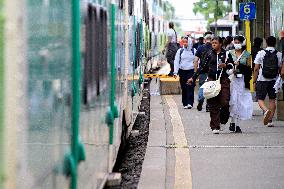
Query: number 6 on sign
x=247, y=9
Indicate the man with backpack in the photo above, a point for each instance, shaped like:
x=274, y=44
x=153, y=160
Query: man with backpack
x=200, y=58
x=268, y=63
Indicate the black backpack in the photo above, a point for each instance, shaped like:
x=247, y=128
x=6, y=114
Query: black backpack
x=270, y=68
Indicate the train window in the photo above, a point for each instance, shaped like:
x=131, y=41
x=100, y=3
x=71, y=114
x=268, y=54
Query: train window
x=95, y=64
x=120, y=4
x=137, y=46
x=156, y=41
x=153, y=24
x=101, y=62
x=144, y=10
x=130, y=7
x=87, y=81
x=150, y=39
x=147, y=15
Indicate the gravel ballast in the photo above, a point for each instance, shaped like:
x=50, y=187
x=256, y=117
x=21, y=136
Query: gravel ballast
x=131, y=162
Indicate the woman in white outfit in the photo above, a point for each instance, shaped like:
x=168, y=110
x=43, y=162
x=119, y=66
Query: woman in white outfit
x=241, y=104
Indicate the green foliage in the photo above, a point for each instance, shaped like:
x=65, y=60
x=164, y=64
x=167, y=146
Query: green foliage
x=208, y=7
x=169, y=11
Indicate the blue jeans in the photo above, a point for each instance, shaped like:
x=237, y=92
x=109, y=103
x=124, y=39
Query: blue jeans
x=202, y=78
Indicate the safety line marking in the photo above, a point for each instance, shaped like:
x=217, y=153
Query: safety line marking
x=208, y=146
x=183, y=177
x=156, y=76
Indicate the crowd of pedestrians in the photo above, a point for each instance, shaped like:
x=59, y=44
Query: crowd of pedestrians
x=226, y=61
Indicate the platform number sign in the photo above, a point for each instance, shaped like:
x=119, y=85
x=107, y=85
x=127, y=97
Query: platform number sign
x=247, y=11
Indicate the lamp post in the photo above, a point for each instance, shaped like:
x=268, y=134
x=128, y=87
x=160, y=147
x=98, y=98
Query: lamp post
x=216, y=13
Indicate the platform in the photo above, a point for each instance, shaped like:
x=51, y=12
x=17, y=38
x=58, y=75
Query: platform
x=182, y=152
x=170, y=86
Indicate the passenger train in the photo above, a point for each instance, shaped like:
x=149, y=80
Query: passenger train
x=71, y=78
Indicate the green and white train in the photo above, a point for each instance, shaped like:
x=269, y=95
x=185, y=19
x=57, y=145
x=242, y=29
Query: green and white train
x=71, y=78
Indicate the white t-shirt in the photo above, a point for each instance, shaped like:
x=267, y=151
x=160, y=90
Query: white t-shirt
x=171, y=33
x=259, y=60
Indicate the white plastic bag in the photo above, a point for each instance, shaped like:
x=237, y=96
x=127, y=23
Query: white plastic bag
x=278, y=84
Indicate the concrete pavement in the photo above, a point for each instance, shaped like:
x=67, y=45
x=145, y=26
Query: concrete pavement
x=252, y=159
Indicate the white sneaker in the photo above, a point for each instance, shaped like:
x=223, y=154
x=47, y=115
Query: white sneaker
x=270, y=124
x=216, y=131
x=187, y=107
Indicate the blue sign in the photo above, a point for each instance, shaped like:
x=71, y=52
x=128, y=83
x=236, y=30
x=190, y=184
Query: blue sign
x=247, y=11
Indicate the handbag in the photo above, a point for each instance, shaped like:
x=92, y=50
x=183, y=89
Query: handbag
x=211, y=89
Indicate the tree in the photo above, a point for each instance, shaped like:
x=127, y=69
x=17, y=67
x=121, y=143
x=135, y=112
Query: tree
x=208, y=7
x=169, y=10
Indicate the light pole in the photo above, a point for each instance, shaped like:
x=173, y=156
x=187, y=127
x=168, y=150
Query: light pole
x=216, y=12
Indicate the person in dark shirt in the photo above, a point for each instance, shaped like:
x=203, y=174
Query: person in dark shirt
x=256, y=47
x=199, y=43
x=216, y=63
x=200, y=58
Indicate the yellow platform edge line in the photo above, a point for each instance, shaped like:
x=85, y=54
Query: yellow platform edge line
x=156, y=76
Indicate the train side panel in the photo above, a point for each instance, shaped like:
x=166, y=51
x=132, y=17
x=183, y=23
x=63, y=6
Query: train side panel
x=37, y=129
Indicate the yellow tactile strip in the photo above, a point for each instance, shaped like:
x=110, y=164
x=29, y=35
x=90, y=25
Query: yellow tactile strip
x=183, y=177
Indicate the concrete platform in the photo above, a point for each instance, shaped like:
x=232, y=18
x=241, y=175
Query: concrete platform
x=252, y=159
x=153, y=174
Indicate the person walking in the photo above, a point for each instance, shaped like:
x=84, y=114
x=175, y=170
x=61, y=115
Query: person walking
x=199, y=43
x=216, y=64
x=184, y=67
x=229, y=43
x=268, y=64
x=198, y=61
x=241, y=104
x=171, y=46
x=257, y=42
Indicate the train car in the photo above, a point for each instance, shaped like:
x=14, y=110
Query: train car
x=71, y=81
x=157, y=34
